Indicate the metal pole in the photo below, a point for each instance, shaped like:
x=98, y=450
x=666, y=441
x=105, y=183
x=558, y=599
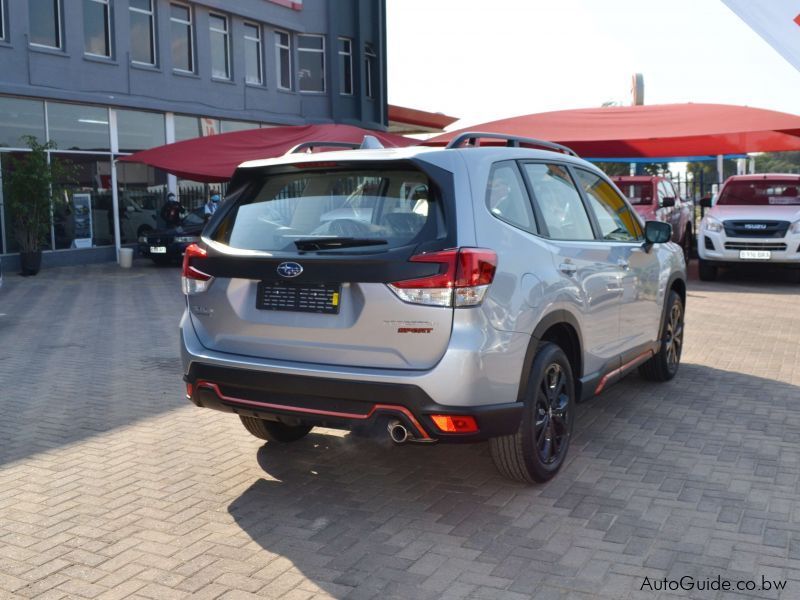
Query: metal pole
x=169, y=133
x=112, y=125
x=720, y=176
x=2, y=210
x=752, y=165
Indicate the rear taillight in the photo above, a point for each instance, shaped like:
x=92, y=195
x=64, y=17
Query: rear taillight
x=194, y=281
x=465, y=276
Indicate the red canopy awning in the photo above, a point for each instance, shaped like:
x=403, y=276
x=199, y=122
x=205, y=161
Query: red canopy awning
x=214, y=158
x=665, y=130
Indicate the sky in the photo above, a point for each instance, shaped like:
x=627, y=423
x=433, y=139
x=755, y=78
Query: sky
x=481, y=60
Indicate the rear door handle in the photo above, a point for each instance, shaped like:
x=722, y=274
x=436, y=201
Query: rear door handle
x=568, y=268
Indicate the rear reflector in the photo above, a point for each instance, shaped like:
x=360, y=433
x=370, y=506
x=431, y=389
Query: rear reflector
x=463, y=278
x=193, y=280
x=455, y=423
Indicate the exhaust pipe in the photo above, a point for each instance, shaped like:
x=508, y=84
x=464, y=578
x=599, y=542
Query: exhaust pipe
x=398, y=432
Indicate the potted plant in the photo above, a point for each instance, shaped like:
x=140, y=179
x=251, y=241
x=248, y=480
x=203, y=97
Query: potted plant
x=33, y=185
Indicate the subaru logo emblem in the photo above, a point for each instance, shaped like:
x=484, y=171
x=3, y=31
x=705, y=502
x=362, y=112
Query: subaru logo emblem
x=755, y=226
x=289, y=269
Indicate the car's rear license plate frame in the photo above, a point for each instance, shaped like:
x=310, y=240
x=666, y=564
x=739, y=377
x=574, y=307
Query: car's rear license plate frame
x=320, y=298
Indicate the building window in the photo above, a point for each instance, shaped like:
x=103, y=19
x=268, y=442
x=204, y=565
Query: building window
x=283, y=49
x=220, y=47
x=346, y=66
x=252, y=54
x=143, y=39
x=180, y=17
x=370, y=70
x=311, y=59
x=44, y=17
x=96, y=28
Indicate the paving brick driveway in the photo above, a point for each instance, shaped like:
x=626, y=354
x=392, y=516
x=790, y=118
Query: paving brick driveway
x=111, y=486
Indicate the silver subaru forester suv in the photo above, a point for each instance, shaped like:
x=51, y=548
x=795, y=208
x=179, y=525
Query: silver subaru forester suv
x=450, y=294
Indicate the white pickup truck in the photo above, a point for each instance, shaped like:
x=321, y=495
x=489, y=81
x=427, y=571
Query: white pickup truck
x=756, y=218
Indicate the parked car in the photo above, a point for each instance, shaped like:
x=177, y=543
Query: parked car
x=756, y=218
x=166, y=246
x=489, y=291
x=655, y=199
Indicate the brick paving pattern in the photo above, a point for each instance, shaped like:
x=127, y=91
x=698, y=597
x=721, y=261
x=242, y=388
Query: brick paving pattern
x=112, y=486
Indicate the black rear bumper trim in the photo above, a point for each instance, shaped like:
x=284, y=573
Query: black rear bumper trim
x=341, y=404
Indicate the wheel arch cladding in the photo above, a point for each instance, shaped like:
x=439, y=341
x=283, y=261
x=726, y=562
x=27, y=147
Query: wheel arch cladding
x=561, y=328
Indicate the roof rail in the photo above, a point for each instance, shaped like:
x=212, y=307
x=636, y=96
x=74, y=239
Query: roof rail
x=472, y=138
x=309, y=146
x=370, y=142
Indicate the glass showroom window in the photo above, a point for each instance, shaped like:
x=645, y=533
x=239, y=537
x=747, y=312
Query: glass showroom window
x=44, y=19
x=346, y=66
x=229, y=126
x=311, y=59
x=283, y=50
x=78, y=127
x=96, y=28
x=139, y=130
x=370, y=70
x=220, y=47
x=143, y=39
x=84, y=217
x=180, y=17
x=252, y=54
x=20, y=117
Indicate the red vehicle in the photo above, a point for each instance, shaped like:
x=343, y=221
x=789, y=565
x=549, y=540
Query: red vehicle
x=655, y=199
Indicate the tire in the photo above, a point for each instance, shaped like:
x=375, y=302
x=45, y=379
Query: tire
x=687, y=245
x=664, y=365
x=273, y=431
x=548, y=416
x=706, y=271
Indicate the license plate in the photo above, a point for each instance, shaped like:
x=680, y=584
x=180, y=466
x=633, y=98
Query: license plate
x=158, y=249
x=755, y=254
x=321, y=298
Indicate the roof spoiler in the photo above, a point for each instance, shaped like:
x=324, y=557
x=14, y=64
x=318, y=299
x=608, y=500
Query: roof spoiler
x=472, y=139
x=370, y=142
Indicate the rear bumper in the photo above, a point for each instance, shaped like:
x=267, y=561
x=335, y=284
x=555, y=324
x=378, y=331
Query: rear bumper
x=339, y=403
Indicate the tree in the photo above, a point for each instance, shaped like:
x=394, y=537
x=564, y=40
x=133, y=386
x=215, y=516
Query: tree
x=33, y=186
x=778, y=162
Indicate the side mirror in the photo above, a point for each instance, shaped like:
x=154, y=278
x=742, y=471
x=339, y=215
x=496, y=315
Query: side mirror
x=668, y=202
x=656, y=232
x=705, y=202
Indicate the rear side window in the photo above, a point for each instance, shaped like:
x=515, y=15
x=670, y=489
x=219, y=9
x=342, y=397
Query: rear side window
x=506, y=197
x=384, y=209
x=559, y=202
x=616, y=220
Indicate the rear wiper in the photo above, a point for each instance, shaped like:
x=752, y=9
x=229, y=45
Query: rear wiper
x=328, y=243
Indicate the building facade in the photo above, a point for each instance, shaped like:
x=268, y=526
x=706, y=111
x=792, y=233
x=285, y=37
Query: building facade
x=104, y=78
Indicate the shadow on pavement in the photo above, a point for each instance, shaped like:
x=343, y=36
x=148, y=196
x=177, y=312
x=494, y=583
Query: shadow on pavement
x=648, y=463
x=750, y=278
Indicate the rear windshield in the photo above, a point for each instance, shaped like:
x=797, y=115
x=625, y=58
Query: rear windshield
x=760, y=193
x=365, y=208
x=637, y=193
